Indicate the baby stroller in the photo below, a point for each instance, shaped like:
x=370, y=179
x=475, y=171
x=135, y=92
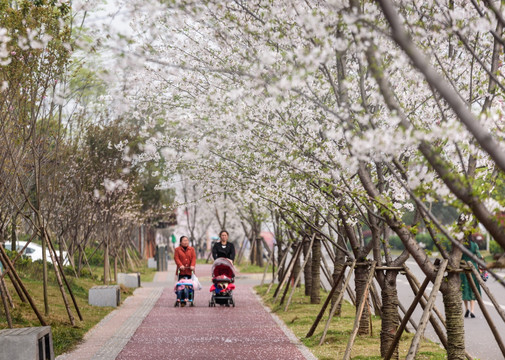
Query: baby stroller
x=185, y=290
x=223, y=277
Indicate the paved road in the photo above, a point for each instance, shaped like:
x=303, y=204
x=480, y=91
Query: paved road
x=148, y=326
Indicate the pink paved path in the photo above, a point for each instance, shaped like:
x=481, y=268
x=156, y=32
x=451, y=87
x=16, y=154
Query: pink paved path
x=247, y=331
x=148, y=326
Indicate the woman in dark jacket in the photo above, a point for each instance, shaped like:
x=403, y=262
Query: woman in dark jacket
x=223, y=248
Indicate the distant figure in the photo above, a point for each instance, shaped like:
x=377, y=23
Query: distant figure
x=468, y=295
x=185, y=258
x=223, y=248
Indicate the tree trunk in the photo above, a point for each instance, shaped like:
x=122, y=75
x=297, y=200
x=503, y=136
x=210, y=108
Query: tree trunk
x=454, y=318
x=296, y=270
x=337, y=268
x=360, y=278
x=307, y=272
x=252, y=255
x=390, y=318
x=106, y=264
x=280, y=254
x=79, y=260
x=259, y=252
x=124, y=266
x=60, y=245
x=14, y=235
x=115, y=269
x=44, y=278
x=315, y=297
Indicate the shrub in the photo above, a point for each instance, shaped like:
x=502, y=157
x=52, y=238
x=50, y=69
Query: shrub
x=495, y=248
x=426, y=240
x=95, y=258
x=396, y=243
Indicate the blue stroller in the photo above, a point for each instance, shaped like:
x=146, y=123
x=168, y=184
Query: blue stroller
x=185, y=290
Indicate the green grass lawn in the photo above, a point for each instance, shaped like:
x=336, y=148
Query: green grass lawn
x=65, y=336
x=301, y=315
x=204, y=261
x=146, y=274
x=246, y=267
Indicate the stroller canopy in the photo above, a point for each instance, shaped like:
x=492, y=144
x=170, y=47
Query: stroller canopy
x=223, y=266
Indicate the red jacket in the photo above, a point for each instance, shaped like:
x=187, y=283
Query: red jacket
x=185, y=257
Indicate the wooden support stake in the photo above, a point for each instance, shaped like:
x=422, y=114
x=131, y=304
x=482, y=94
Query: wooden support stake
x=410, y=275
x=58, y=278
x=3, y=295
x=288, y=283
x=266, y=247
x=327, y=301
x=377, y=304
x=60, y=267
x=412, y=322
x=490, y=322
x=299, y=276
x=424, y=318
x=326, y=271
x=21, y=286
x=351, y=294
x=210, y=254
x=287, y=272
x=329, y=251
x=287, y=275
x=322, y=285
x=359, y=312
x=240, y=251
x=327, y=276
x=270, y=260
x=11, y=277
x=7, y=293
x=487, y=291
x=406, y=318
x=281, y=264
x=335, y=305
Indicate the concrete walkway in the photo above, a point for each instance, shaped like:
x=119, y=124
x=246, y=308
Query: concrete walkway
x=148, y=326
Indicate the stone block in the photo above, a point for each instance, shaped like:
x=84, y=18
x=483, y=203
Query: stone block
x=151, y=263
x=32, y=343
x=105, y=295
x=130, y=280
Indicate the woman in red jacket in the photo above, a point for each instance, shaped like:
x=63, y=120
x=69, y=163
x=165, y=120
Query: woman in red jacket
x=185, y=258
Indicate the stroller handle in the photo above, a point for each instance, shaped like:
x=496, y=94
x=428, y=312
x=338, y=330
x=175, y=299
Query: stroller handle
x=179, y=271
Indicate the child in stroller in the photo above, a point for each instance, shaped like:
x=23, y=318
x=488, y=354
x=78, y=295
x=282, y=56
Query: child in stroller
x=223, y=276
x=185, y=290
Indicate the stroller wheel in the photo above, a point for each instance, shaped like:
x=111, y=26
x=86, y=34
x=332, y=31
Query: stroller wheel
x=210, y=304
x=232, y=303
x=176, y=304
x=192, y=304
